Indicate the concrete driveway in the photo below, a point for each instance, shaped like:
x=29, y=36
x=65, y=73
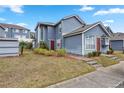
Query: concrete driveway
x=107, y=77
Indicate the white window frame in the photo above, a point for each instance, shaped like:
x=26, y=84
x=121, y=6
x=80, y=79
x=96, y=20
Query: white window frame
x=91, y=42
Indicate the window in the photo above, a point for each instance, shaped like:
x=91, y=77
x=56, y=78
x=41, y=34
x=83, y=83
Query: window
x=89, y=42
x=16, y=36
x=16, y=30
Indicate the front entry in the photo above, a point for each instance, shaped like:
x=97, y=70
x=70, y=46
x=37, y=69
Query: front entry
x=52, y=44
x=98, y=44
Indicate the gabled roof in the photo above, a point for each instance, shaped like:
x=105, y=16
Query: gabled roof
x=12, y=26
x=70, y=16
x=64, y=18
x=118, y=36
x=86, y=28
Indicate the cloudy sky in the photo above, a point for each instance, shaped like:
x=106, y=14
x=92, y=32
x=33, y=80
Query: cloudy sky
x=28, y=16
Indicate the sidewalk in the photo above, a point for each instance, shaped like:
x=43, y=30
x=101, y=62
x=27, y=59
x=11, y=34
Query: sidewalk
x=102, y=78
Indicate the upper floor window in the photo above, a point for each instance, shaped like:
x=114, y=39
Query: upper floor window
x=90, y=42
x=17, y=30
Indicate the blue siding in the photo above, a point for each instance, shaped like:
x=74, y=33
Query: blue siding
x=97, y=32
x=117, y=45
x=73, y=44
x=70, y=24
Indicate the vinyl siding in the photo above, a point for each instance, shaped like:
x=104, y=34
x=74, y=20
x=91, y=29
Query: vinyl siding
x=9, y=48
x=70, y=24
x=97, y=32
x=73, y=44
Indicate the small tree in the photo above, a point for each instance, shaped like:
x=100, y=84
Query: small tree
x=22, y=45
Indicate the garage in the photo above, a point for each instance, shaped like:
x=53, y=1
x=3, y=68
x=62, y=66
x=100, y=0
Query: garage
x=9, y=47
x=73, y=44
x=117, y=45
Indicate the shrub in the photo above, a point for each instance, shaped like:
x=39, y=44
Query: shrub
x=48, y=53
x=40, y=51
x=61, y=52
x=43, y=45
x=26, y=45
x=110, y=51
x=94, y=54
x=89, y=55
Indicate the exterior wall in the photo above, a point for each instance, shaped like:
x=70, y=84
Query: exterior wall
x=2, y=33
x=73, y=44
x=70, y=24
x=117, y=44
x=51, y=35
x=11, y=33
x=9, y=47
x=58, y=35
x=97, y=32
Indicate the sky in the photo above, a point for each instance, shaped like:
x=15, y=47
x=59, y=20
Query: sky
x=29, y=15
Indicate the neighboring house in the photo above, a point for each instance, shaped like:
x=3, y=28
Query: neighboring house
x=74, y=35
x=117, y=41
x=2, y=32
x=15, y=31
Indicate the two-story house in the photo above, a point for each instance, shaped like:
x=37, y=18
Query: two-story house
x=73, y=34
x=15, y=31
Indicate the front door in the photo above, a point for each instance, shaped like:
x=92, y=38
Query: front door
x=98, y=44
x=52, y=44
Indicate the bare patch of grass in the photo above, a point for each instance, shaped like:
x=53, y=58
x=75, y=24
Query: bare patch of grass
x=31, y=70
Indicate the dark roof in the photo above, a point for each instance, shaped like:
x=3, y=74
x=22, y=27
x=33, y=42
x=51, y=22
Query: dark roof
x=81, y=29
x=118, y=36
x=84, y=28
x=12, y=26
x=54, y=24
x=2, y=27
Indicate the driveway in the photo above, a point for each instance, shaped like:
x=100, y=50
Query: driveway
x=107, y=77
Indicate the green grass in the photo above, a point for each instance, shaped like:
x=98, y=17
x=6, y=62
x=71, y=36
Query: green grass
x=31, y=70
x=105, y=61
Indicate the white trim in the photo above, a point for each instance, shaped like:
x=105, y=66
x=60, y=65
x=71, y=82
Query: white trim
x=83, y=44
x=94, y=43
x=99, y=23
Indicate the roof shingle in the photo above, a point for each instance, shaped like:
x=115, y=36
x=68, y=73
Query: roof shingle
x=12, y=26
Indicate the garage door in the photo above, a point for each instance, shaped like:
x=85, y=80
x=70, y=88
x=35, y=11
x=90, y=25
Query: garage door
x=73, y=44
x=9, y=47
x=117, y=45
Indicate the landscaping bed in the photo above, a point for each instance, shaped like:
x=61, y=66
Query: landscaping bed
x=33, y=70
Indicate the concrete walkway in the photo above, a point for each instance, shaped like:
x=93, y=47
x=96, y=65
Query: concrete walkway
x=108, y=77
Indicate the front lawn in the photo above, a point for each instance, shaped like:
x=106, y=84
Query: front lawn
x=32, y=70
x=105, y=61
x=119, y=54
